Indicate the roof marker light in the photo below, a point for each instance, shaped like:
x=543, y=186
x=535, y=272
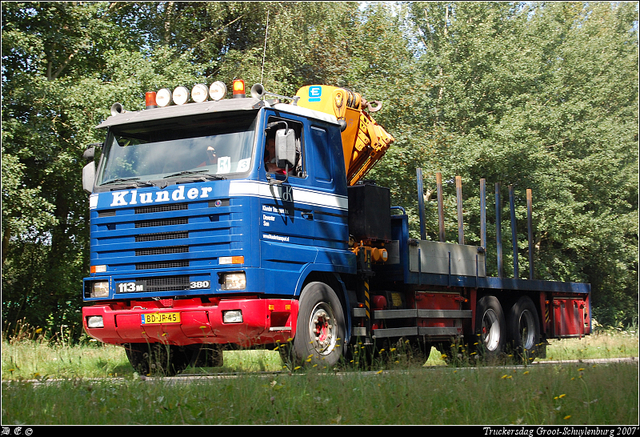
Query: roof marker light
x=238, y=89
x=200, y=93
x=180, y=95
x=163, y=97
x=217, y=90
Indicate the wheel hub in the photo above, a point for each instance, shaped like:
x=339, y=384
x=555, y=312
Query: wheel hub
x=527, y=330
x=322, y=329
x=490, y=330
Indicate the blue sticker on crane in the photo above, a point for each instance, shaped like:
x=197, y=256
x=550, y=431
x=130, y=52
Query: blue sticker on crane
x=315, y=92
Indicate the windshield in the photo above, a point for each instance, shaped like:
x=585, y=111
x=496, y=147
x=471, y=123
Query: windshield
x=212, y=149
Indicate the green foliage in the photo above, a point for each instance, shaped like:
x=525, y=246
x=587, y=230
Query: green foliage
x=532, y=95
x=543, y=96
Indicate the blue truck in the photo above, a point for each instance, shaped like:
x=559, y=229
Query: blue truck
x=246, y=221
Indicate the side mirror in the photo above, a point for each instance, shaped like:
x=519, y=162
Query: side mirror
x=90, y=153
x=88, y=176
x=285, y=148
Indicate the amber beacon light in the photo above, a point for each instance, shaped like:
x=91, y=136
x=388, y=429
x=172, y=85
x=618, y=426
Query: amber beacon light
x=238, y=88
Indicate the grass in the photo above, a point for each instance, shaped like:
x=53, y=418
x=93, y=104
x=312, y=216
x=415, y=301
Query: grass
x=566, y=394
x=36, y=358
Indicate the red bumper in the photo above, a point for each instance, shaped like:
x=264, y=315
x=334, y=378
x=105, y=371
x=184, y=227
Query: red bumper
x=193, y=321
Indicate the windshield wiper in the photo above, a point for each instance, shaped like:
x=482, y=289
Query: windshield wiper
x=199, y=173
x=129, y=182
x=118, y=180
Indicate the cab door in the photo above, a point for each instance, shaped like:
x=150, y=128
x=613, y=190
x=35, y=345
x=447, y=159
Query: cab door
x=303, y=221
x=286, y=224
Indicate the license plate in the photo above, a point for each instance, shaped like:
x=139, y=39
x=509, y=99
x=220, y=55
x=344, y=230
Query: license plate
x=148, y=319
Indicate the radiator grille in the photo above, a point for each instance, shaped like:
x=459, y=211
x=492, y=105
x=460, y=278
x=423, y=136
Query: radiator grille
x=163, y=222
x=161, y=208
x=168, y=283
x=162, y=250
x=171, y=238
x=162, y=265
x=161, y=236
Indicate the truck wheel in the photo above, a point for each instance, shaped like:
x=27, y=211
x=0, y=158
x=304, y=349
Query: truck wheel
x=321, y=327
x=156, y=359
x=523, y=328
x=490, y=328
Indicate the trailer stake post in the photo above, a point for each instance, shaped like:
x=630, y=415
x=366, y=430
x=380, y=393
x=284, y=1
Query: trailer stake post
x=514, y=232
x=499, y=231
x=440, y=206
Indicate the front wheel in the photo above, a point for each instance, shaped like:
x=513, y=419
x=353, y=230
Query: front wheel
x=321, y=327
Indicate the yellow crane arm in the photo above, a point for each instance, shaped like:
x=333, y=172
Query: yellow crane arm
x=364, y=141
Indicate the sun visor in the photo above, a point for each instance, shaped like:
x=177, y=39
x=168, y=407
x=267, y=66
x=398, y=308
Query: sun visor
x=124, y=117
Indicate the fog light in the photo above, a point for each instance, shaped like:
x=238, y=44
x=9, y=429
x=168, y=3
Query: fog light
x=232, y=316
x=217, y=90
x=95, y=322
x=163, y=97
x=100, y=289
x=234, y=281
x=180, y=95
x=200, y=93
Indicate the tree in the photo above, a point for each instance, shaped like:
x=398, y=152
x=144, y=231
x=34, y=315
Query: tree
x=61, y=61
x=544, y=96
x=533, y=95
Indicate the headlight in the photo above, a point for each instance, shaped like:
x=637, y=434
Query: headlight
x=232, y=316
x=234, y=281
x=95, y=322
x=100, y=289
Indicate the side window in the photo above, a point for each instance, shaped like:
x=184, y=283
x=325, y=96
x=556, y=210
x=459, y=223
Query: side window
x=273, y=125
x=323, y=160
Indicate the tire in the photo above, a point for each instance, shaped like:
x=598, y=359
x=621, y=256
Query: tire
x=321, y=327
x=490, y=328
x=156, y=359
x=523, y=329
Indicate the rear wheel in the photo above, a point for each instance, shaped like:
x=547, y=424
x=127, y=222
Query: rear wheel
x=490, y=328
x=321, y=327
x=523, y=328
